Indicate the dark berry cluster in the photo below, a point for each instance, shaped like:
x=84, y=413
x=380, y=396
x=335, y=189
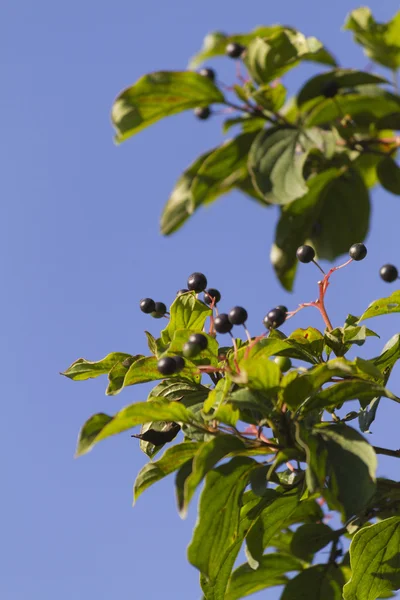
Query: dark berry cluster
x=169, y=365
x=276, y=317
x=155, y=309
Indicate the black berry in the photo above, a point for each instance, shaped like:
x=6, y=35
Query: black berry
x=199, y=339
x=222, y=323
x=147, y=305
x=202, y=113
x=212, y=294
x=282, y=308
x=305, y=254
x=182, y=291
x=388, y=273
x=358, y=252
x=330, y=89
x=276, y=317
x=234, y=50
x=197, y=282
x=283, y=362
x=180, y=363
x=159, y=310
x=267, y=322
x=238, y=315
x=167, y=365
x=210, y=73
x=191, y=349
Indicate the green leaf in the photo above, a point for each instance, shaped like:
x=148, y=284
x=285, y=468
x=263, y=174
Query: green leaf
x=375, y=561
x=260, y=373
x=336, y=394
x=271, y=572
x=380, y=40
x=276, y=161
x=352, y=486
x=320, y=582
x=152, y=343
x=311, y=339
x=175, y=389
x=341, y=78
x=366, y=165
x=101, y=426
x=204, y=460
x=153, y=436
x=270, y=97
x=219, y=518
x=158, y=95
x=83, y=369
x=172, y=459
x=311, y=538
x=116, y=376
x=383, y=306
x=296, y=224
x=186, y=313
x=389, y=175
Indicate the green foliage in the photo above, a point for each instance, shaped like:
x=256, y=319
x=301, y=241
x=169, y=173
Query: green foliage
x=263, y=424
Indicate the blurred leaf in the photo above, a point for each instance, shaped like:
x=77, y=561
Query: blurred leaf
x=101, y=426
x=340, y=78
x=271, y=572
x=311, y=538
x=270, y=97
x=83, y=369
x=320, y=582
x=383, y=306
x=375, y=560
x=172, y=459
x=366, y=165
x=389, y=175
x=159, y=95
x=381, y=41
x=186, y=312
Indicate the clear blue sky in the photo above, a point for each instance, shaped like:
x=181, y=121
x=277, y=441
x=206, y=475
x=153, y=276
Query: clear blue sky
x=79, y=247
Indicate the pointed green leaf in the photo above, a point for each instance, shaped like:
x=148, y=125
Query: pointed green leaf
x=159, y=95
x=116, y=376
x=375, y=561
x=101, y=426
x=320, y=582
x=271, y=572
x=83, y=369
x=343, y=391
x=389, y=175
x=383, y=306
x=152, y=343
x=311, y=538
x=186, y=313
x=172, y=459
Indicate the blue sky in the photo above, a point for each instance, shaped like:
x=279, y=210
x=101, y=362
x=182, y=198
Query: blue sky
x=80, y=246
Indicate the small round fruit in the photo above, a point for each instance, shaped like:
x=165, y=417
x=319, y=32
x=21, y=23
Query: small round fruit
x=180, y=363
x=282, y=307
x=238, y=315
x=305, y=254
x=212, y=294
x=159, y=310
x=222, y=323
x=267, y=322
x=167, y=365
x=190, y=350
x=147, y=305
x=209, y=73
x=202, y=113
x=358, y=252
x=182, y=291
x=283, y=362
x=330, y=89
x=234, y=50
x=388, y=273
x=199, y=339
x=197, y=282
x=276, y=317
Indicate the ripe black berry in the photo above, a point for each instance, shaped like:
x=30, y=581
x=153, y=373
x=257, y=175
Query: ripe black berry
x=210, y=73
x=147, y=305
x=388, y=273
x=330, y=89
x=222, y=323
x=202, y=113
x=180, y=363
x=191, y=349
x=210, y=294
x=159, y=310
x=182, y=291
x=234, y=50
x=167, y=365
x=305, y=254
x=238, y=315
x=267, y=322
x=197, y=282
x=358, y=252
x=282, y=308
x=283, y=362
x=199, y=339
x=276, y=317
